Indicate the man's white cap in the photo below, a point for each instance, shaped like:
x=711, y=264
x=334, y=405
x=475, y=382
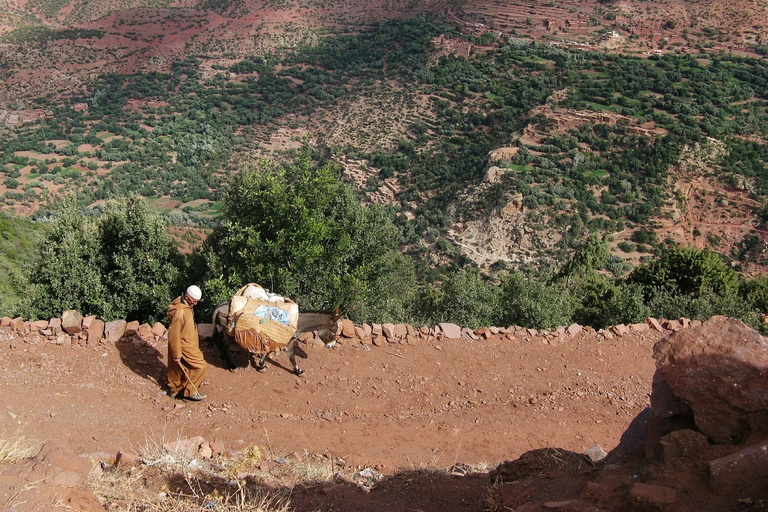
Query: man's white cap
x=194, y=292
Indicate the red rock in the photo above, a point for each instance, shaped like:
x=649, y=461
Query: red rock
x=650, y=494
x=388, y=330
x=450, y=330
x=16, y=323
x=114, y=330
x=5, y=321
x=95, y=331
x=483, y=332
x=574, y=329
x=144, y=332
x=158, y=329
x=720, y=370
x=654, y=324
x=619, y=330
x=54, y=325
x=131, y=327
x=359, y=332
x=38, y=325
x=744, y=473
x=347, y=328
x=87, y=321
x=468, y=333
x=71, y=322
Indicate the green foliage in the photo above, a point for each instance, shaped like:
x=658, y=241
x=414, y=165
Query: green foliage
x=464, y=298
x=303, y=233
x=688, y=271
x=118, y=265
x=68, y=276
x=19, y=242
x=139, y=265
x=755, y=293
x=603, y=302
x=535, y=303
x=41, y=34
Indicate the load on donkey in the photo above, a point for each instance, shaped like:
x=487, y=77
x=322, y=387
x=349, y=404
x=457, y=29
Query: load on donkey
x=262, y=323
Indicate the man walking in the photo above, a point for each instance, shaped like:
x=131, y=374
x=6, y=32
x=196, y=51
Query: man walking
x=186, y=366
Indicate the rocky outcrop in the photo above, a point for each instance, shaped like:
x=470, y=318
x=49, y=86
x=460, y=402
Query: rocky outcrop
x=704, y=439
x=720, y=371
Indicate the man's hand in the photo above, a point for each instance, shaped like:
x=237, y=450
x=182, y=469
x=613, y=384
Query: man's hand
x=177, y=359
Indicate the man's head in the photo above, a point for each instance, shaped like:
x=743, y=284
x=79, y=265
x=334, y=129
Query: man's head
x=193, y=295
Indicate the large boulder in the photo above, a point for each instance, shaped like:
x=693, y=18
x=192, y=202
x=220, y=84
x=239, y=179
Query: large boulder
x=720, y=370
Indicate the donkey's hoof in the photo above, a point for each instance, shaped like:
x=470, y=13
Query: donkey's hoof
x=298, y=371
x=261, y=369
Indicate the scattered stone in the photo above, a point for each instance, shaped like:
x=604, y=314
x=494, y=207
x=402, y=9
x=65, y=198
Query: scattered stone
x=94, y=332
x=574, y=329
x=347, y=328
x=468, y=333
x=654, y=324
x=595, y=453
x=619, y=329
x=388, y=330
x=114, y=330
x=743, y=473
x=71, y=321
x=450, y=330
x=158, y=329
x=650, y=494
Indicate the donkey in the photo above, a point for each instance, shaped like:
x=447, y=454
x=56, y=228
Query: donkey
x=326, y=324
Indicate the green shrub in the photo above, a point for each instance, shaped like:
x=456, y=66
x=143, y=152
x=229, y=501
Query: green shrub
x=534, y=303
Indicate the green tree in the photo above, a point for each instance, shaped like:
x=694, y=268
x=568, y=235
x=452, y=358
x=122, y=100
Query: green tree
x=68, y=273
x=139, y=265
x=535, y=303
x=689, y=271
x=465, y=298
x=602, y=302
x=118, y=265
x=301, y=232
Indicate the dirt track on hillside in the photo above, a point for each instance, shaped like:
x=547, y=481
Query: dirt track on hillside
x=394, y=408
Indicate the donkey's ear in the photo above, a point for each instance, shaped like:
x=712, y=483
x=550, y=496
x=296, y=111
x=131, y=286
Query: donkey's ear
x=337, y=312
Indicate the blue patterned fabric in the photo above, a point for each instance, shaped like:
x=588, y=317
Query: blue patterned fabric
x=274, y=314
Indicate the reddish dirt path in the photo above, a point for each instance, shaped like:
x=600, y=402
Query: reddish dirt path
x=394, y=408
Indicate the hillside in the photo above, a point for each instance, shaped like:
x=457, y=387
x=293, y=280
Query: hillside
x=662, y=146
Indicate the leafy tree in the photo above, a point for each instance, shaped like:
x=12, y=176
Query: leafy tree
x=535, y=303
x=68, y=274
x=465, y=298
x=119, y=265
x=687, y=270
x=603, y=302
x=139, y=264
x=303, y=233
x=591, y=254
x=755, y=293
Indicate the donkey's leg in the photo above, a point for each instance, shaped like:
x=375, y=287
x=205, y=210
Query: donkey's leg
x=292, y=356
x=261, y=366
x=220, y=338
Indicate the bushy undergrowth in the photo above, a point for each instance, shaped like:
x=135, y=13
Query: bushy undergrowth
x=301, y=232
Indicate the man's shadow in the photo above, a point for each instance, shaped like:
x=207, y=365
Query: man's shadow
x=145, y=361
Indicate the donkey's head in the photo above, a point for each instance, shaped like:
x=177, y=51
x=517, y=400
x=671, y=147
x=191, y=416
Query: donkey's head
x=328, y=332
x=326, y=324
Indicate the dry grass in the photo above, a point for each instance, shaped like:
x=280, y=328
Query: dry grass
x=16, y=447
x=180, y=481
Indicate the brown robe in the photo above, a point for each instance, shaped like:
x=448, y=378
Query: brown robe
x=184, y=344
